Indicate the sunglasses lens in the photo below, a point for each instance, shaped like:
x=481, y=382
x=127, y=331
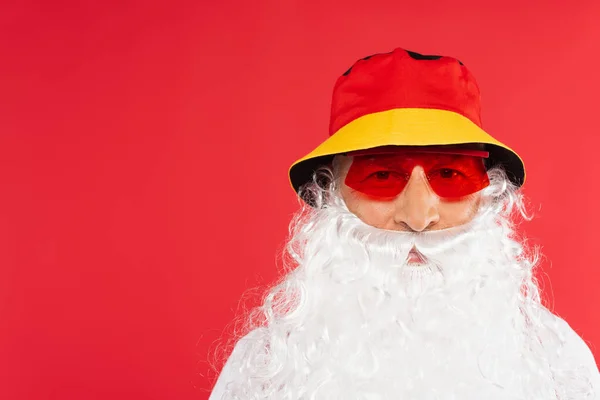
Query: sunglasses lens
x=466, y=177
x=376, y=182
x=385, y=176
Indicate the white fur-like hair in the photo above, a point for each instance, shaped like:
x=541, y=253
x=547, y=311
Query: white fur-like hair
x=291, y=353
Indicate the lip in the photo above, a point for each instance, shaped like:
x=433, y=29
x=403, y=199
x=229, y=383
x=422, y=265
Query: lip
x=415, y=257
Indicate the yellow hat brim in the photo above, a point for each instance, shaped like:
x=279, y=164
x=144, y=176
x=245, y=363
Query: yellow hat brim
x=406, y=127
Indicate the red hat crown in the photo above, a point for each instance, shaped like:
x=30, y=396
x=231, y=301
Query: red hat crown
x=401, y=79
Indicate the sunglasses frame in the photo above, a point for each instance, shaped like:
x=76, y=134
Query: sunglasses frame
x=420, y=150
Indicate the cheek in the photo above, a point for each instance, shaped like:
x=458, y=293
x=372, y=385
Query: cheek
x=379, y=214
x=460, y=212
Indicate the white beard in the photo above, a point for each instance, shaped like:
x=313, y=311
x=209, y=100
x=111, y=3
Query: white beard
x=354, y=321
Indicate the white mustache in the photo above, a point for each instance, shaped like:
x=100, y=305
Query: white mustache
x=430, y=244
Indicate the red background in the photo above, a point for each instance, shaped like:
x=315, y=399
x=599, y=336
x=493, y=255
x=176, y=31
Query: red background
x=144, y=148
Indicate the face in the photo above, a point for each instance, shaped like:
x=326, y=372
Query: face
x=365, y=308
x=417, y=208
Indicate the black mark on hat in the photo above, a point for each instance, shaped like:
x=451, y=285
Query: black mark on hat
x=413, y=54
x=418, y=56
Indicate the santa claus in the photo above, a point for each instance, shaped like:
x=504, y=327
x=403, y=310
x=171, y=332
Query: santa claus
x=406, y=278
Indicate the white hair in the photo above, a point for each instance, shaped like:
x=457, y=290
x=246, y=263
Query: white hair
x=349, y=321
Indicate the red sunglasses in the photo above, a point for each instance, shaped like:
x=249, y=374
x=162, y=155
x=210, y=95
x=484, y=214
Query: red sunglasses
x=384, y=172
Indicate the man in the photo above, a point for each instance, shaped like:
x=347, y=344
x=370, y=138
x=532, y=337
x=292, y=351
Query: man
x=405, y=276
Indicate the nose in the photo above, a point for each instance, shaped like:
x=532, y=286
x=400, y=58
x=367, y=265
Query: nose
x=416, y=208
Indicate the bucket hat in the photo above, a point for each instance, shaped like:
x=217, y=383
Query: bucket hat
x=403, y=98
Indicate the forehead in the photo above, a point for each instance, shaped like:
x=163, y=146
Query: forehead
x=341, y=161
x=407, y=157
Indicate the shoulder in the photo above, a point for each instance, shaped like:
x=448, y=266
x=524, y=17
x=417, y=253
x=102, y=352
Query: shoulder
x=574, y=352
x=573, y=343
x=232, y=369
